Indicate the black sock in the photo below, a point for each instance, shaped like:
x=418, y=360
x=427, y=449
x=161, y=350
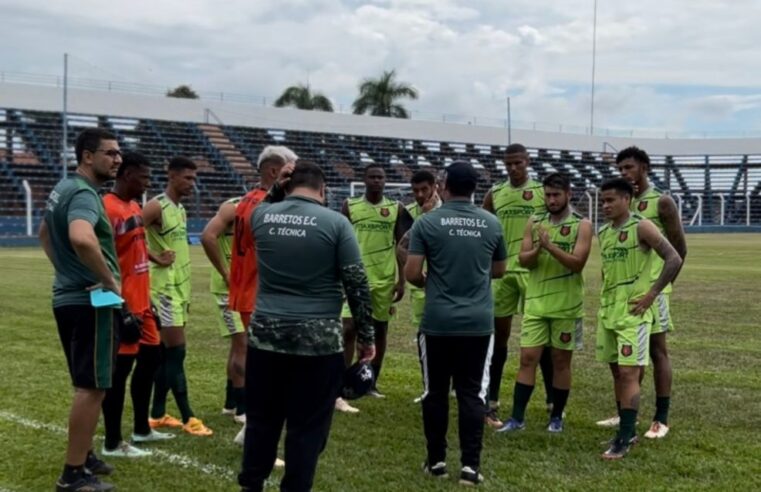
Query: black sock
x=113, y=404
x=628, y=424
x=148, y=360
x=662, y=409
x=618, y=408
x=521, y=396
x=498, y=359
x=175, y=363
x=72, y=473
x=240, y=399
x=161, y=387
x=545, y=364
x=559, y=400
x=230, y=401
x=376, y=371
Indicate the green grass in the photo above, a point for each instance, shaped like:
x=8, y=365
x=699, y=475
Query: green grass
x=716, y=353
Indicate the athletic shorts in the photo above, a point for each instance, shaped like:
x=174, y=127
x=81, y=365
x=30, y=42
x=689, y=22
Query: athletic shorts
x=417, y=299
x=89, y=340
x=229, y=321
x=381, y=296
x=662, y=322
x=564, y=334
x=508, y=293
x=173, y=310
x=150, y=334
x=626, y=346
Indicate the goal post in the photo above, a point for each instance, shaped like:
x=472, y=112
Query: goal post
x=399, y=191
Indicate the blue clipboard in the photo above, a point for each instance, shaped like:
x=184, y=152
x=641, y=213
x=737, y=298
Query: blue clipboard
x=105, y=298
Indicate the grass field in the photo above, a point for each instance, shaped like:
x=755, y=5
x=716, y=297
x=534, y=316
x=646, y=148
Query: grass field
x=716, y=406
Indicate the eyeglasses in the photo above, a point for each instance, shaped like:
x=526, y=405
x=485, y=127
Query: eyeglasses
x=112, y=153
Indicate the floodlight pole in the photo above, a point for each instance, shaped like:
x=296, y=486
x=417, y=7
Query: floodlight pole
x=594, y=60
x=65, y=139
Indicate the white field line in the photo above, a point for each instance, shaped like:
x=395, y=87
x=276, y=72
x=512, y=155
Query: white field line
x=175, y=459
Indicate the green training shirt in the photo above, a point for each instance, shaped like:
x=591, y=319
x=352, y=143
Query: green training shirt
x=514, y=206
x=552, y=290
x=217, y=284
x=172, y=235
x=374, y=228
x=459, y=241
x=76, y=198
x=646, y=205
x=625, y=270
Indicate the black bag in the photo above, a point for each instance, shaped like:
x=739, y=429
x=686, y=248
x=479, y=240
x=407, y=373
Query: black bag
x=130, y=326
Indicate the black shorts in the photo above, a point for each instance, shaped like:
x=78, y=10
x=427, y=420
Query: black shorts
x=89, y=339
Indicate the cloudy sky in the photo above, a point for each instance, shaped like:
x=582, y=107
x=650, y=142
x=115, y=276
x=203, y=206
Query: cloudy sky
x=680, y=65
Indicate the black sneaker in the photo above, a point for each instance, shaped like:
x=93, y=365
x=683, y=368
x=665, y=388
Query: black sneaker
x=439, y=470
x=87, y=483
x=617, y=450
x=97, y=466
x=469, y=476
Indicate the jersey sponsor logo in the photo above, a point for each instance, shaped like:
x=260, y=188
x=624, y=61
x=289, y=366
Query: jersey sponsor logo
x=626, y=350
x=565, y=230
x=623, y=236
x=385, y=212
x=528, y=195
x=642, y=206
x=565, y=337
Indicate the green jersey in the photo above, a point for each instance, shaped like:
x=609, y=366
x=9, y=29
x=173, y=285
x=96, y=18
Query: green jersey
x=76, y=198
x=646, y=205
x=552, y=290
x=217, y=284
x=459, y=242
x=626, y=273
x=374, y=226
x=514, y=206
x=172, y=235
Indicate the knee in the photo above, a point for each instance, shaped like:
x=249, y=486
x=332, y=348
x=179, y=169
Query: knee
x=560, y=361
x=528, y=360
x=658, y=352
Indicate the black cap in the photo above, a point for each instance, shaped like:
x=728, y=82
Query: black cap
x=461, y=178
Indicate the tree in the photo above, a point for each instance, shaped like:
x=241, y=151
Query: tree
x=301, y=96
x=182, y=91
x=380, y=96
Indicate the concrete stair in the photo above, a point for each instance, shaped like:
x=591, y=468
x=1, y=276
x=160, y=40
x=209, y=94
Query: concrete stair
x=239, y=163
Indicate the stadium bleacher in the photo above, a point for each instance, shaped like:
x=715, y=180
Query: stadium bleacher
x=710, y=189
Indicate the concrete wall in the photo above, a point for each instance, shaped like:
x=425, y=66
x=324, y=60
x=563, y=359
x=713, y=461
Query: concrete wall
x=32, y=97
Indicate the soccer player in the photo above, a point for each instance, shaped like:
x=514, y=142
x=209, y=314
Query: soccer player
x=463, y=248
x=514, y=202
x=555, y=249
x=77, y=239
x=125, y=215
x=166, y=224
x=295, y=364
x=424, y=190
x=629, y=245
x=216, y=239
x=379, y=223
x=660, y=209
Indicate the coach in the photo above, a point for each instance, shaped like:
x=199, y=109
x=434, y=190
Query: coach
x=464, y=249
x=307, y=256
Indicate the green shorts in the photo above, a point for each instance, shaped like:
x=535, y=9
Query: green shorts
x=381, y=296
x=509, y=292
x=564, y=334
x=228, y=321
x=662, y=322
x=417, y=300
x=627, y=346
x=173, y=310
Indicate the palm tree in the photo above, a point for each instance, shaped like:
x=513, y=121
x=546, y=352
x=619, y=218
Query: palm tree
x=301, y=96
x=380, y=96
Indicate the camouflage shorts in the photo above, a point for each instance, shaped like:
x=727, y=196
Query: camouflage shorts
x=322, y=336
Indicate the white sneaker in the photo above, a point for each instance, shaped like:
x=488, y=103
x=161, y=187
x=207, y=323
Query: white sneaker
x=241, y=419
x=153, y=436
x=611, y=422
x=657, y=430
x=240, y=437
x=228, y=411
x=279, y=463
x=343, y=406
x=125, y=450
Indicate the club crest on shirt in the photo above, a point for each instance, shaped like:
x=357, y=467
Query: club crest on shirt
x=626, y=350
x=565, y=337
x=642, y=206
x=565, y=230
x=528, y=195
x=623, y=236
x=385, y=212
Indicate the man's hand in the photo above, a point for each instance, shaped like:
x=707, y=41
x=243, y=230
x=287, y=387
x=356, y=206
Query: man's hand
x=111, y=285
x=544, y=237
x=285, y=174
x=430, y=204
x=398, y=292
x=642, y=304
x=366, y=352
x=165, y=258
